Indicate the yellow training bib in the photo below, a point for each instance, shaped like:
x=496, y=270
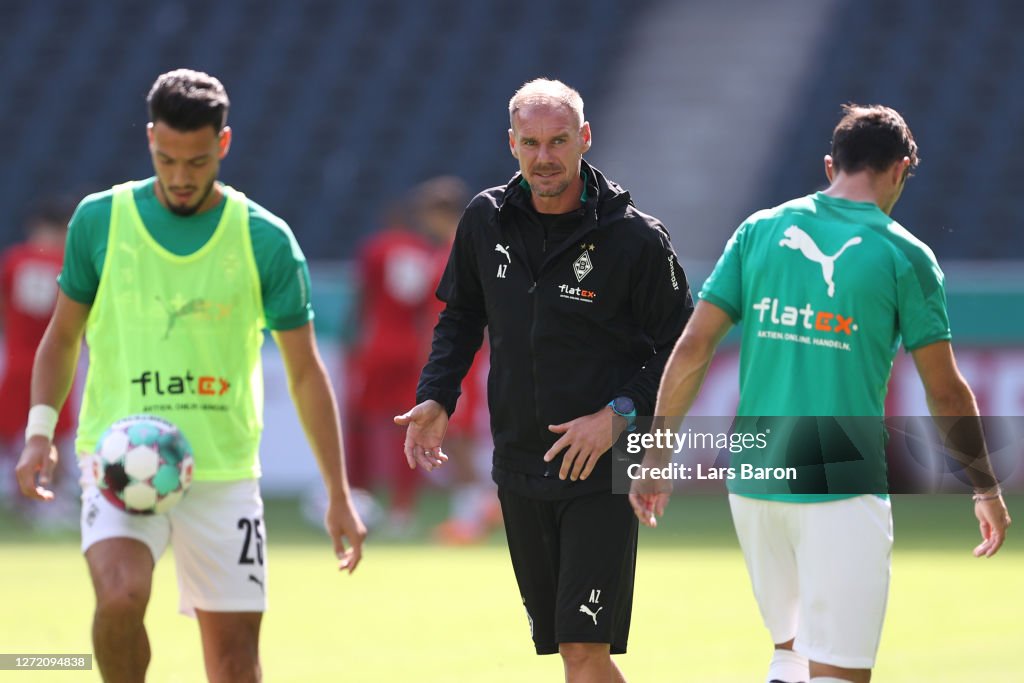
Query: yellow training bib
x=179, y=337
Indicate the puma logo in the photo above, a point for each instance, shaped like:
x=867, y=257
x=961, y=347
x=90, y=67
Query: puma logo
x=190, y=308
x=256, y=581
x=798, y=239
x=593, y=615
x=503, y=250
x=203, y=309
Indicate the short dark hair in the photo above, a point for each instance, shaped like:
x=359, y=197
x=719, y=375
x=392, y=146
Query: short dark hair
x=188, y=100
x=871, y=137
x=51, y=212
x=55, y=209
x=446, y=193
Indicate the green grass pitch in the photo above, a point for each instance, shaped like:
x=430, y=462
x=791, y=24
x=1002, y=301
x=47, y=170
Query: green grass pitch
x=418, y=612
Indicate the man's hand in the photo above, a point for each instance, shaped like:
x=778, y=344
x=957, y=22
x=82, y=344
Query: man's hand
x=427, y=423
x=584, y=441
x=993, y=519
x=647, y=495
x=38, y=458
x=342, y=522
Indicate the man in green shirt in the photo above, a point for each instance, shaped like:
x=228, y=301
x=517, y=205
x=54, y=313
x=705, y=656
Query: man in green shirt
x=827, y=286
x=172, y=280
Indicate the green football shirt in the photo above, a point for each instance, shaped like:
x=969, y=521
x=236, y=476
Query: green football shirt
x=826, y=290
x=283, y=272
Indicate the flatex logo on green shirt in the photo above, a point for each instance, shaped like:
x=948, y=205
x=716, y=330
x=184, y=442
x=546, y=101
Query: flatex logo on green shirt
x=805, y=322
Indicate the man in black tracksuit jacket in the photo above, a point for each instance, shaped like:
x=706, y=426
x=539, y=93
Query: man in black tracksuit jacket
x=583, y=299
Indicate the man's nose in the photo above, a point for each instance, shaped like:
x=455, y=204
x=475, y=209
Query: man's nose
x=180, y=175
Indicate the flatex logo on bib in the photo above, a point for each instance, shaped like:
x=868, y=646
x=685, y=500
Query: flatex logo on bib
x=797, y=239
x=202, y=385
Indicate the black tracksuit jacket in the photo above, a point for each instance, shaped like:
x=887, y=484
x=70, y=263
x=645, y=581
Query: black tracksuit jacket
x=597, y=320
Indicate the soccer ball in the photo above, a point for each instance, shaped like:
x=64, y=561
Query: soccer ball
x=144, y=465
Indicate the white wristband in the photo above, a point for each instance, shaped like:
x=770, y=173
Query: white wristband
x=42, y=421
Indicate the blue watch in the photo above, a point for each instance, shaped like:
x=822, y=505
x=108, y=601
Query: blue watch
x=624, y=407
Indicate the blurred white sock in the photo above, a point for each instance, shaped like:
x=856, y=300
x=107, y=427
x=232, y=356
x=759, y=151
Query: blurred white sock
x=465, y=504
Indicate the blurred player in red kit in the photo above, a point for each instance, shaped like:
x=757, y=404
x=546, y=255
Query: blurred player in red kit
x=28, y=283
x=436, y=206
x=396, y=275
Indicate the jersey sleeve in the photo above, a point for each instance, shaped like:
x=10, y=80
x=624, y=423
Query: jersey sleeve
x=921, y=300
x=283, y=271
x=724, y=287
x=6, y=273
x=85, y=248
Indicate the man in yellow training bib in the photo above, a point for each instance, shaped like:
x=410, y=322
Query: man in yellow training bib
x=172, y=280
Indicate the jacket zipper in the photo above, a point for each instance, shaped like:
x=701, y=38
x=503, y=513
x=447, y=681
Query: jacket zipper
x=532, y=350
x=533, y=327
x=533, y=362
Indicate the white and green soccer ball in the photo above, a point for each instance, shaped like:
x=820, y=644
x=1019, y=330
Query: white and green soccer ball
x=144, y=465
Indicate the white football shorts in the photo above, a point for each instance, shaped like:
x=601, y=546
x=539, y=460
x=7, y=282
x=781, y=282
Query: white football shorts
x=820, y=573
x=216, y=531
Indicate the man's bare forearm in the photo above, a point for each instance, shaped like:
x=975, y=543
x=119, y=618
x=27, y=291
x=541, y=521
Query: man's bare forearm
x=317, y=409
x=54, y=369
x=957, y=417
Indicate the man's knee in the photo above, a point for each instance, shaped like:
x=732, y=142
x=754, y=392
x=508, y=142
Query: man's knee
x=583, y=653
x=126, y=604
x=122, y=574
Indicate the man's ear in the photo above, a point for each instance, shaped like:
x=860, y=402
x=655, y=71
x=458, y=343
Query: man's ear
x=901, y=169
x=830, y=169
x=588, y=137
x=224, y=142
x=512, y=143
